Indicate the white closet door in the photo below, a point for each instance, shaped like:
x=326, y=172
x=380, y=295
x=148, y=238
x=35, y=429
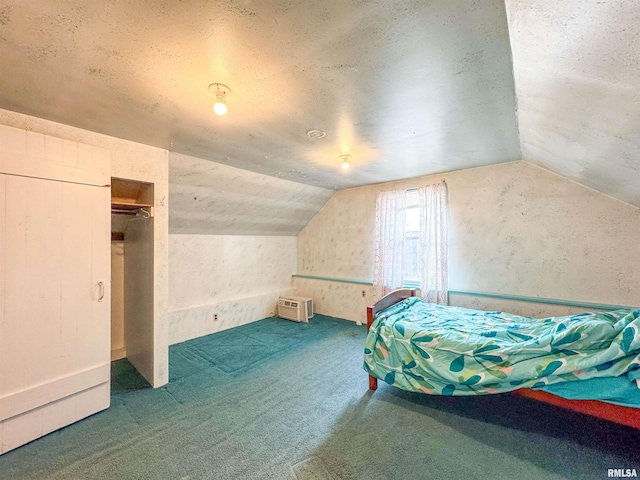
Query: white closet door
x=55, y=329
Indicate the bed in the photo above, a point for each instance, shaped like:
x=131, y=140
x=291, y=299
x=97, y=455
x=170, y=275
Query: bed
x=589, y=363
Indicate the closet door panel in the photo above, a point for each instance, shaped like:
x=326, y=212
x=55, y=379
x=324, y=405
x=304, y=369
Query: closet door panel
x=92, y=311
x=101, y=270
x=54, y=331
x=32, y=281
x=4, y=345
x=75, y=274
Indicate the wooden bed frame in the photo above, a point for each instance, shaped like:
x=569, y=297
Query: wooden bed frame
x=615, y=413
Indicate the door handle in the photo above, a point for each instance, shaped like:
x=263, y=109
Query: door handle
x=101, y=285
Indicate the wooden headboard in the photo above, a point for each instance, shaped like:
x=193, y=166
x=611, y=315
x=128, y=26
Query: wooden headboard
x=389, y=299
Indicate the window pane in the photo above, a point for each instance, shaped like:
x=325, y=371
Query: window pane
x=412, y=198
x=411, y=260
x=413, y=219
x=412, y=233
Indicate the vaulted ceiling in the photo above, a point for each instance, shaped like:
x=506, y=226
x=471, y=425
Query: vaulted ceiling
x=408, y=88
x=577, y=75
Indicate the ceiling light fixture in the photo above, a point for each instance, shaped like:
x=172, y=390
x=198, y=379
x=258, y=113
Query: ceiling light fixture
x=345, y=160
x=219, y=91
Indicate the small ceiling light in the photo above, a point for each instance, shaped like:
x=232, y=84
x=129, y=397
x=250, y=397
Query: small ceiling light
x=219, y=91
x=345, y=160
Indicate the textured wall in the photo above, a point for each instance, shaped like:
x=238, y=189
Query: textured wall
x=117, y=301
x=338, y=242
x=515, y=229
x=237, y=277
x=519, y=229
x=336, y=299
x=519, y=307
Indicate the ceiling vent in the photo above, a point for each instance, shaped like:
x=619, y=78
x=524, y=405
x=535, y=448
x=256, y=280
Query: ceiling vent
x=316, y=133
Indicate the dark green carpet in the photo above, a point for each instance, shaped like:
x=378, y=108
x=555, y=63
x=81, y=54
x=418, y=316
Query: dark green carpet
x=281, y=400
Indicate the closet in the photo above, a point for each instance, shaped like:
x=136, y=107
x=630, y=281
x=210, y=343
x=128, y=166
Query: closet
x=54, y=284
x=132, y=256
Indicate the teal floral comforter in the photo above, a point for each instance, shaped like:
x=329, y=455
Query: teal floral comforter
x=439, y=350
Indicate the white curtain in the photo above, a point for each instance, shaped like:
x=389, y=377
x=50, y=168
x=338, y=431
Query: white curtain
x=389, y=242
x=434, y=226
x=388, y=272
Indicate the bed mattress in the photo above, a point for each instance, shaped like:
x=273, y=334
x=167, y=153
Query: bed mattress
x=441, y=350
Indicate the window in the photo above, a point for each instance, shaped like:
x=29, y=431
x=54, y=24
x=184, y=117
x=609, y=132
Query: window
x=411, y=242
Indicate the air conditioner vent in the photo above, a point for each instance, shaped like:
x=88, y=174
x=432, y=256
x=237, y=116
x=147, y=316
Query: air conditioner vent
x=298, y=309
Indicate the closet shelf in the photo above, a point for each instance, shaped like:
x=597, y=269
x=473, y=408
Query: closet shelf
x=130, y=208
x=128, y=205
x=129, y=197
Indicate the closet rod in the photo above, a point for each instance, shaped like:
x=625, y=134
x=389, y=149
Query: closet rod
x=121, y=211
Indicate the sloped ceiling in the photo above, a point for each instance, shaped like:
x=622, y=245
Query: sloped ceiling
x=214, y=199
x=407, y=87
x=577, y=73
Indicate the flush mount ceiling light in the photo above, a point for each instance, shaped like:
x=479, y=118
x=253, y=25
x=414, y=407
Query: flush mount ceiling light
x=345, y=160
x=219, y=91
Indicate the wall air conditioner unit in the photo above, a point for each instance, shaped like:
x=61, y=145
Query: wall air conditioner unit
x=298, y=309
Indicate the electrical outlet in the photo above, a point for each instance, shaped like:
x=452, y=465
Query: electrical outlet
x=215, y=317
x=363, y=293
